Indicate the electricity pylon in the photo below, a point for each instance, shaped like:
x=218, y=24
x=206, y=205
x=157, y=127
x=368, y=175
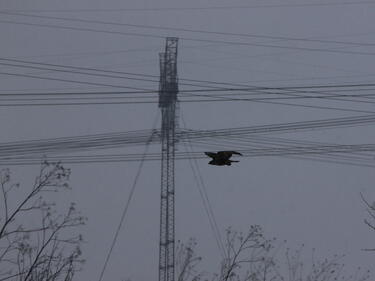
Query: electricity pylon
x=168, y=89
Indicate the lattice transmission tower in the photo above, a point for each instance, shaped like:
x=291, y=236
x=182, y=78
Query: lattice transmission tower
x=168, y=89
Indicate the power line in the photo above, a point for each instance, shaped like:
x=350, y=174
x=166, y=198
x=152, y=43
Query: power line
x=127, y=204
x=122, y=139
x=235, y=43
x=283, y=38
x=218, y=98
x=82, y=29
x=253, y=88
x=186, y=96
x=22, y=153
x=259, y=152
x=67, y=80
x=77, y=72
x=86, y=69
x=204, y=8
x=79, y=143
x=282, y=127
x=247, y=87
x=255, y=142
x=78, y=68
x=207, y=206
x=204, y=196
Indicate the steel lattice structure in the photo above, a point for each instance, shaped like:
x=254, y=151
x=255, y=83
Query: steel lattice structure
x=168, y=89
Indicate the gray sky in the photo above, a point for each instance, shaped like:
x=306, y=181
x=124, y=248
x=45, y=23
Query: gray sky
x=302, y=201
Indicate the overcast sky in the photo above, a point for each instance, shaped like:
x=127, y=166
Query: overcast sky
x=302, y=201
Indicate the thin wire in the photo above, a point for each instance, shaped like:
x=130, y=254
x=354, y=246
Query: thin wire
x=204, y=196
x=207, y=208
x=243, y=86
x=252, y=92
x=293, y=151
x=127, y=205
x=122, y=139
x=74, y=71
x=235, y=43
x=222, y=99
x=249, y=152
x=67, y=80
x=296, y=90
x=355, y=158
x=281, y=127
x=215, y=98
x=281, y=38
x=168, y=9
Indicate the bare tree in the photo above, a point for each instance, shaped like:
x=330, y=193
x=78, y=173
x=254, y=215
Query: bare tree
x=248, y=256
x=251, y=257
x=371, y=213
x=187, y=261
x=328, y=269
x=36, y=243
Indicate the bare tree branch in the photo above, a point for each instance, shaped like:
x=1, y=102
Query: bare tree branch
x=371, y=212
x=44, y=252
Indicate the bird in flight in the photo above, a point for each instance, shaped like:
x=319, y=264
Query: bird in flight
x=221, y=158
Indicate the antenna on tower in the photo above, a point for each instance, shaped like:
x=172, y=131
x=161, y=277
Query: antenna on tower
x=168, y=89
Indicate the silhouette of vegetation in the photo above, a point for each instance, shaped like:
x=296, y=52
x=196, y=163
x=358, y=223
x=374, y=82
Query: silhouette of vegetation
x=251, y=257
x=247, y=256
x=36, y=243
x=371, y=214
x=187, y=261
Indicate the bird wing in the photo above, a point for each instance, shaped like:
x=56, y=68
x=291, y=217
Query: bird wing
x=211, y=154
x=227, y=154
